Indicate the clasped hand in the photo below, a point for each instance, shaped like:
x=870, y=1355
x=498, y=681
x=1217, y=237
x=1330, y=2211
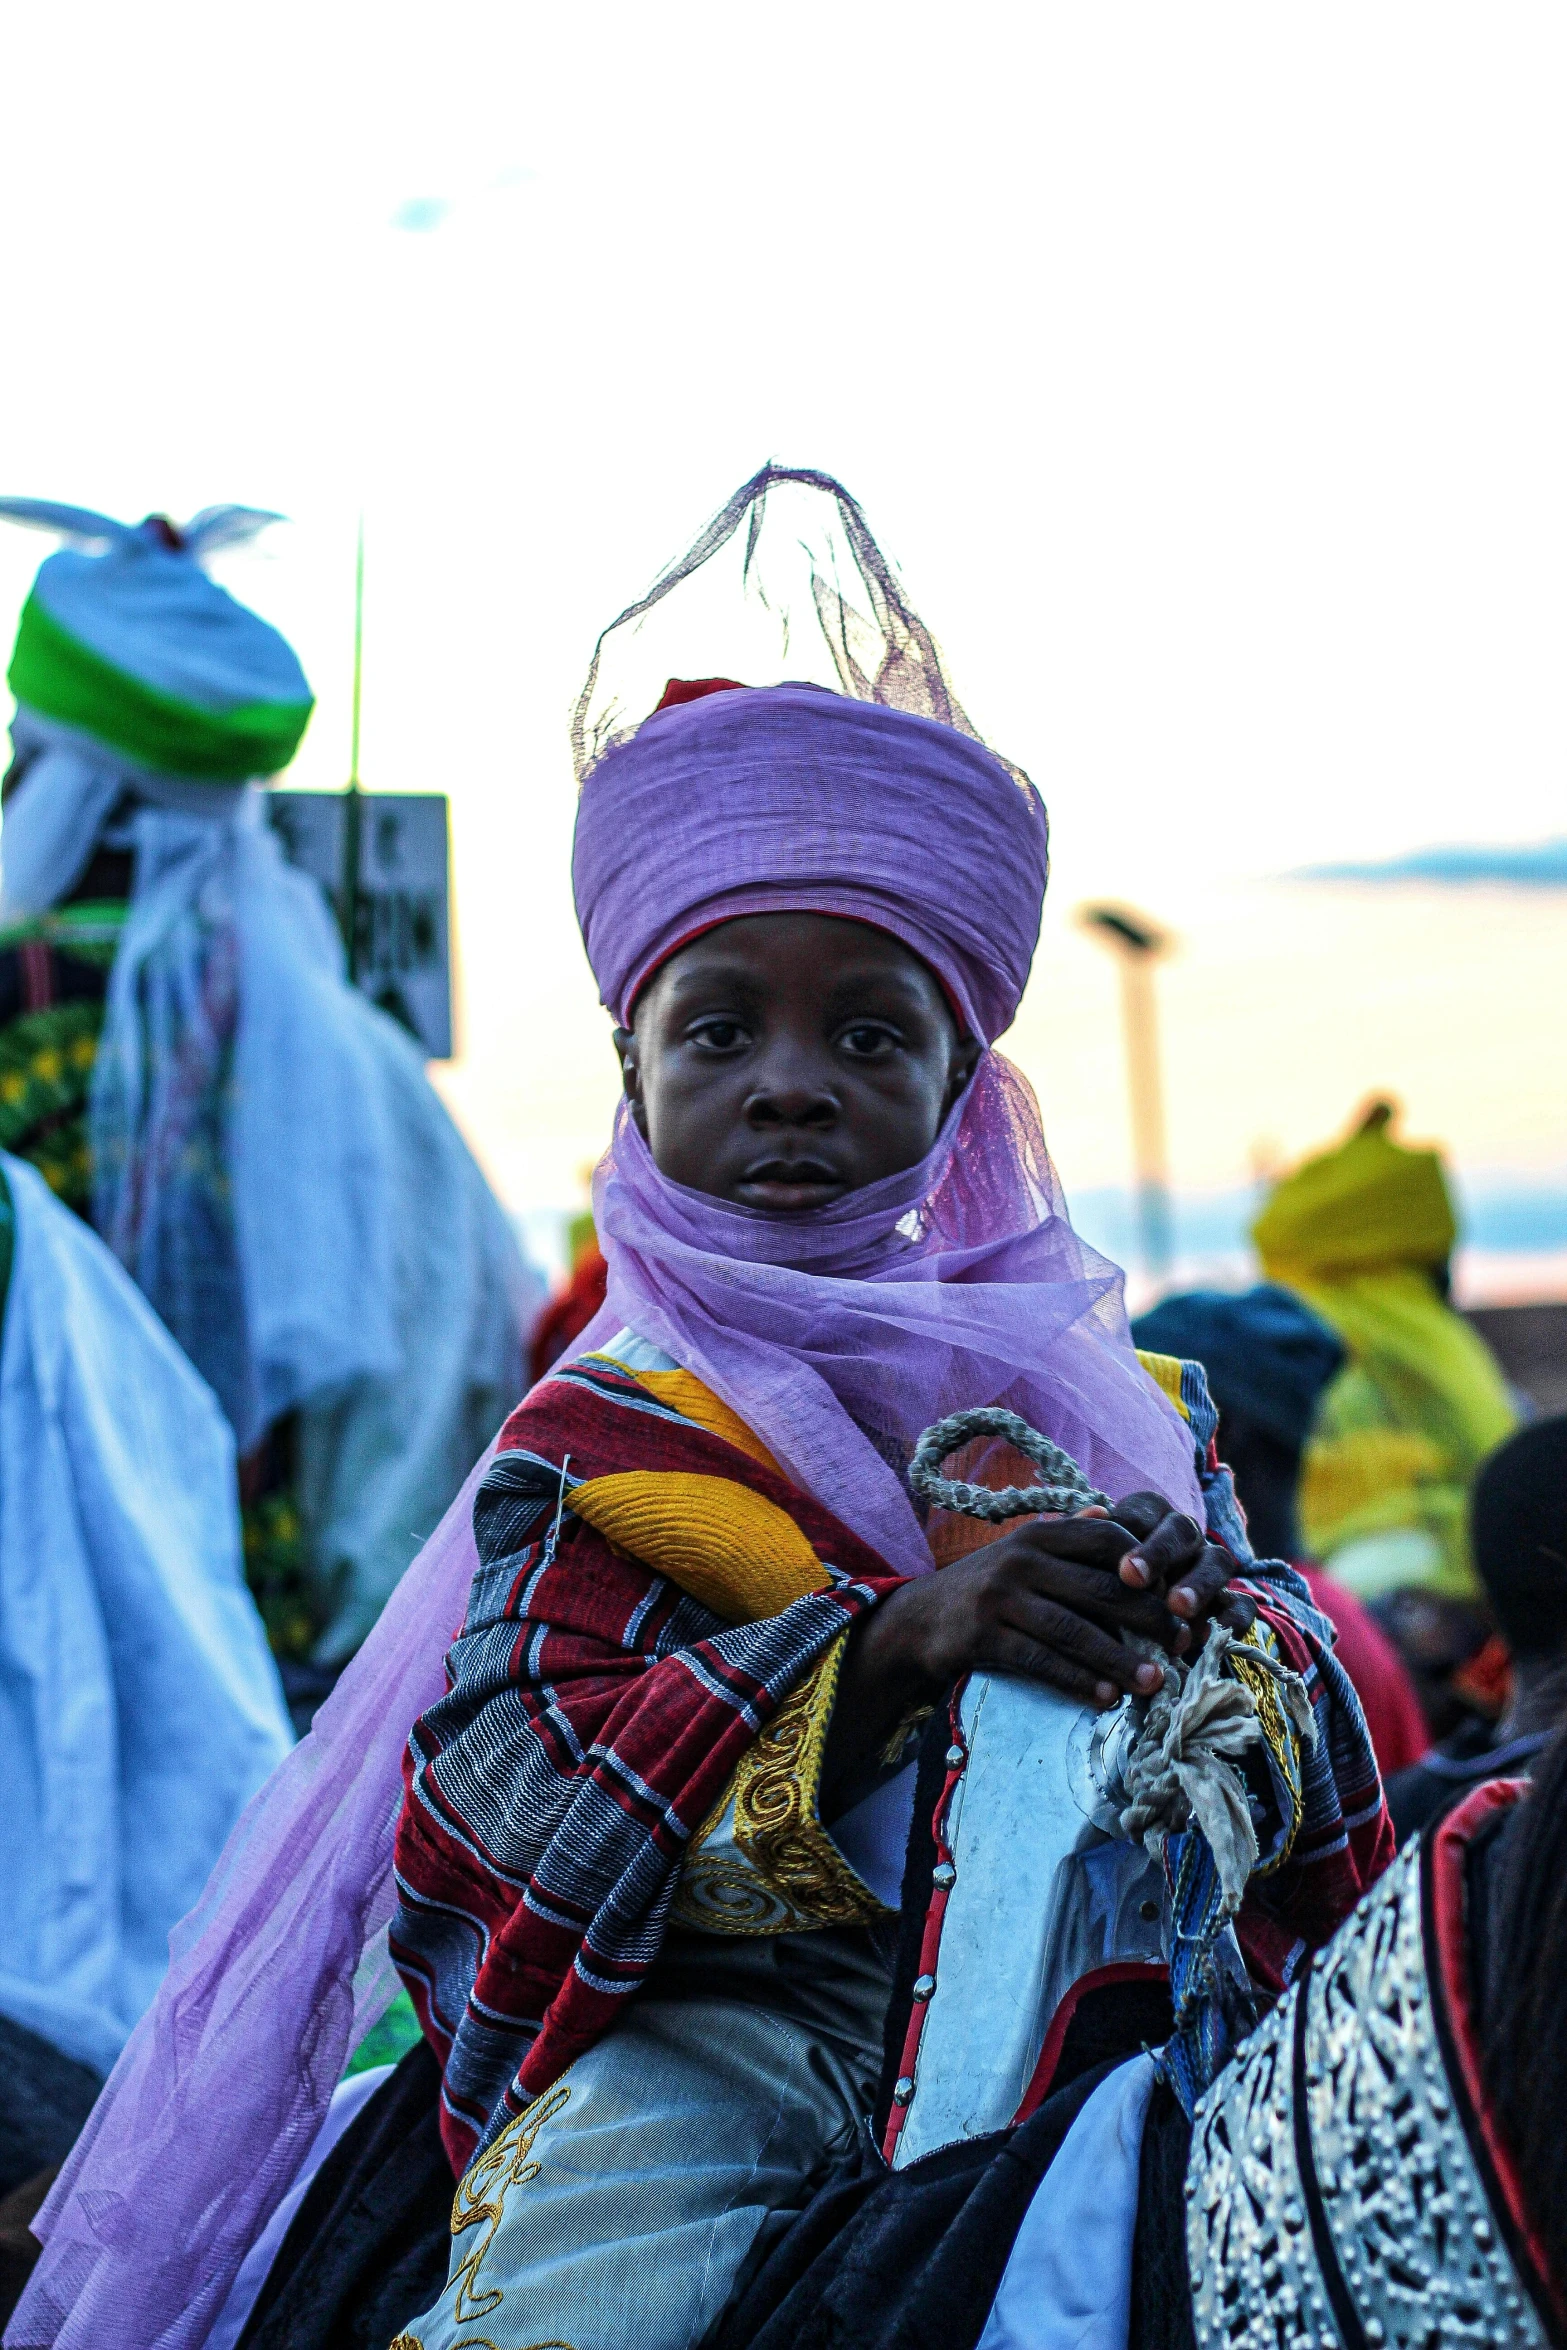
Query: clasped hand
x=1048, y=1602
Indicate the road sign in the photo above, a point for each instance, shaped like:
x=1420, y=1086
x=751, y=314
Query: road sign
x=401, y=935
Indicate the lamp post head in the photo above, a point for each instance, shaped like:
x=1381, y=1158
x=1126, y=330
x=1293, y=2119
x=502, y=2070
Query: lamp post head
x=1125, y=931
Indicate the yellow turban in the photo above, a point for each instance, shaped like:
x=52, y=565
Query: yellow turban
x=1369, y=1204
x=1358, y=1232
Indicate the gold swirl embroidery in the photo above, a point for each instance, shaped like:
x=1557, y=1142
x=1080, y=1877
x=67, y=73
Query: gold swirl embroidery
x=473, y=2342
x=719, y=1893
x=481, y=2202
x=1281, y=1739
x=775, y=1824
x=782, y=1874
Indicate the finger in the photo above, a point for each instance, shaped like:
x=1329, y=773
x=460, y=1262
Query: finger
x=1082, y=1643
x=1141, y=1512
x=1175, y=1544
x=1095, y=1541
x=1013, y=1652
x=1236, y=1612
x=1087, y=1591
x=1198, y=1593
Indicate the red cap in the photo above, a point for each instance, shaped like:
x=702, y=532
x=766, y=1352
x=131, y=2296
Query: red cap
x=696, y=689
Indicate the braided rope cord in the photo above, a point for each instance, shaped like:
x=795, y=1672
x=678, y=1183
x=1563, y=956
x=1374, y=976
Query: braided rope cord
x=1068, y=1493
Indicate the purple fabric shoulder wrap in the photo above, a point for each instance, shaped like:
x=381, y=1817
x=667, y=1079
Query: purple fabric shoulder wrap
x=836, y=1335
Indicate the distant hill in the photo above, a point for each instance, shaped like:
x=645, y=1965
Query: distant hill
x=1527, y=865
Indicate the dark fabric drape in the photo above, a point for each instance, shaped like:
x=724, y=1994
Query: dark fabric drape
x=370, y=2243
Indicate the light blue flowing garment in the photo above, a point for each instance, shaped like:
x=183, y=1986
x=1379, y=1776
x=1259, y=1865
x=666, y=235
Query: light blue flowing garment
x=275, y=1170
x=139, y=1705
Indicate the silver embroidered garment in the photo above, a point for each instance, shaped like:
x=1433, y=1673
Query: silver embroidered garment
x=1330, y=2172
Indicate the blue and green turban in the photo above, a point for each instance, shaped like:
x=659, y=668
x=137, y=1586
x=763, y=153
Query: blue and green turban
x=136, y=648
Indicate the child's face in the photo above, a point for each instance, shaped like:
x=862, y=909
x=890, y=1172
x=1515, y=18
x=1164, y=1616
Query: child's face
x=782, y=1060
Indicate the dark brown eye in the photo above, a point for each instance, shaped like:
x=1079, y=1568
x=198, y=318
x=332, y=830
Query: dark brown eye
x=718, y=1036
x=867, y=1042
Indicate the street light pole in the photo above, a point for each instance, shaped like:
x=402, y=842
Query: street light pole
x=1137, y=945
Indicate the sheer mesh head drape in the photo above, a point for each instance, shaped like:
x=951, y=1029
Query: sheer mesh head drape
x=785, y=583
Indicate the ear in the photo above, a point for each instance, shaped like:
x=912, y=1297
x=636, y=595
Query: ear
x=631, y=1075
x=965, y=1060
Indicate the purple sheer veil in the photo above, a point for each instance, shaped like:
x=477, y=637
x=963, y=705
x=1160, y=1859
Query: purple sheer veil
x=274, y=1978
x=960, y=1282
x=837, y=1336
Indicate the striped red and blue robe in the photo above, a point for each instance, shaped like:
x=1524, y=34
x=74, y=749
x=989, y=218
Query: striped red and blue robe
x=650, y=1590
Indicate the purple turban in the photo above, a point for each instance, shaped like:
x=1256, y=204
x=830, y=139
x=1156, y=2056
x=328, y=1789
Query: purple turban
x=789, y=797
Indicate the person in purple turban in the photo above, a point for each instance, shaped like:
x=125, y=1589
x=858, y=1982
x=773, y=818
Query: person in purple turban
x=645, y=1884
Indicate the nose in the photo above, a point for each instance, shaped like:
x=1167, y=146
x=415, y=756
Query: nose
x=789, y=1088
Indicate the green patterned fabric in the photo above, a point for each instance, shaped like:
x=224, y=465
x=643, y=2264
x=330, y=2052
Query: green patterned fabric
x=88, y=928
x=46, y=1065
x=294, y=1604
x=7, y=1241
x=388, y=2041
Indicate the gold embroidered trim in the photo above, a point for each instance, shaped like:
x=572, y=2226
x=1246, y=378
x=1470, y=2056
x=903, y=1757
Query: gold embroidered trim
x=782, y=1873
x=481, y=2201
x=1281, y=1739
x=776, y=1825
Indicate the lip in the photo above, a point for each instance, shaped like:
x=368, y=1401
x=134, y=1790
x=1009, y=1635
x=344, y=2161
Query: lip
x=785, y=1185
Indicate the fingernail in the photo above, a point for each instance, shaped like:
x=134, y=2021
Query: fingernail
x=1148, y=1676
x=1183, y=1599
x=1104, y=1691
x=1137, y=1565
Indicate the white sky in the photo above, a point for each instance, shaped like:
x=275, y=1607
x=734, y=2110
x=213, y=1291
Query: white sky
x=1204, y=368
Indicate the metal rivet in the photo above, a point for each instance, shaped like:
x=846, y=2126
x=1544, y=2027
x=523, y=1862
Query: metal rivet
x=902, y=2091
x=924, y=1985
x=1148, y=1911
x=944, y=1876
x=955, y=1758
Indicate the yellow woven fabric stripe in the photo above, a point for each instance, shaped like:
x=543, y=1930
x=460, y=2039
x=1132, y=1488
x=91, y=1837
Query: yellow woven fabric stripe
x=686, y=1394
x=734, y=1550
x=1165, y=1372
x=1282, y=1741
